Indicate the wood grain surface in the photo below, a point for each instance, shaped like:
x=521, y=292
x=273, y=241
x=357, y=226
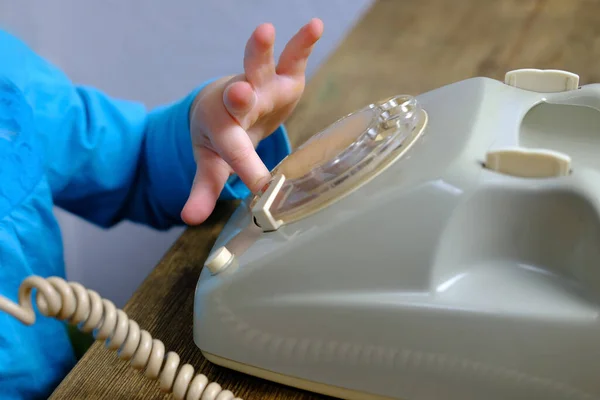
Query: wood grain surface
x=399, y=46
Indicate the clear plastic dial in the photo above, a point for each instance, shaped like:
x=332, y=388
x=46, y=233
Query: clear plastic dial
x=344, y=156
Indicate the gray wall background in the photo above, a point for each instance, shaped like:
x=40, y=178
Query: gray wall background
x=155, y=52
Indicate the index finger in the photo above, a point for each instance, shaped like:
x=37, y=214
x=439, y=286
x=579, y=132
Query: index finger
x=236, y=148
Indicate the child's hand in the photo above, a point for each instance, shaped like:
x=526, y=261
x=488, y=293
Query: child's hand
x=231, y=116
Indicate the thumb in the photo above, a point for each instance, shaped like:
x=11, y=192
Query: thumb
x=212, y=173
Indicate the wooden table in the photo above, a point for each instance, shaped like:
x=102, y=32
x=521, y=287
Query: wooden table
x=400, y=46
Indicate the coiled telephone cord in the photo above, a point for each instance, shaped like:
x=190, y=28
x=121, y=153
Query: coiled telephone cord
x=84, y=308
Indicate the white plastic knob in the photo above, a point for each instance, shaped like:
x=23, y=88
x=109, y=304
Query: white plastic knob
x=218, y=260
x=542, y=80
x=529, y=163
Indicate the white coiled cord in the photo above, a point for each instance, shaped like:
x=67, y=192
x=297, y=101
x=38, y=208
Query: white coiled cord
x=71, y=302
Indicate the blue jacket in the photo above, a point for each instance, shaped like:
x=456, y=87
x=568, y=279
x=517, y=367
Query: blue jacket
x=103, y=159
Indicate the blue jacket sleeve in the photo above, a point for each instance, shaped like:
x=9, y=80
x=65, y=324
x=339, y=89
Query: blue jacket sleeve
x=107, y=159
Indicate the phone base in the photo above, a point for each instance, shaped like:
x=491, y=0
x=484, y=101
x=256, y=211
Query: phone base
x=291, y=381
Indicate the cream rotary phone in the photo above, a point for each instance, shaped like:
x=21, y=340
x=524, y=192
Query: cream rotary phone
x=444, y=245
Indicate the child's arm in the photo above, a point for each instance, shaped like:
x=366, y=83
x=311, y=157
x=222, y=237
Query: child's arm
x=109, y=160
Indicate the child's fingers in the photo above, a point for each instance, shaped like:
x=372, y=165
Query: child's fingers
x=258, y=57
x=295, y=55
x=239, y=99
x=237, y=149
x=211, y=174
